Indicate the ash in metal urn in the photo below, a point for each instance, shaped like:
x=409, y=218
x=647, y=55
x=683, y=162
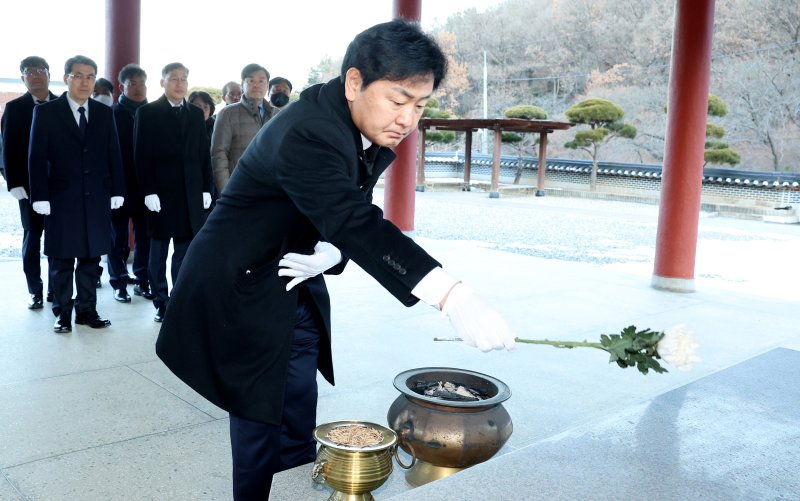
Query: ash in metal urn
x=448, y=419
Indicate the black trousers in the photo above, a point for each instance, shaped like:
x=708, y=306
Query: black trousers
x=260, y=450
x=120, y=249
x=32, y=229
x=61, y=273
x=159, y=250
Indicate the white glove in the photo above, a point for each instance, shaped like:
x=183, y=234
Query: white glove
x=116, y=202
x=42, y=208
x=303, y=267
x=18, y=193
x=206, y=200
x=153, y=203
x=477, y=323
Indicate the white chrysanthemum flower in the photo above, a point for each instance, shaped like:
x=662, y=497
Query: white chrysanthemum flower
x=677, y=348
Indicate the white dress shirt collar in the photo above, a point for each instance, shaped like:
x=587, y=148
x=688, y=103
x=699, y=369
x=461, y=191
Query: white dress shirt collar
x=74, y=107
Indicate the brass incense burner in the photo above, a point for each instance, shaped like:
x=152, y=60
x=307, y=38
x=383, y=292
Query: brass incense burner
x=353, y=471
x=448, y=436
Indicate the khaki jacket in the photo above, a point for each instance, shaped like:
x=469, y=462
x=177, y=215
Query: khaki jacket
x=236, y=125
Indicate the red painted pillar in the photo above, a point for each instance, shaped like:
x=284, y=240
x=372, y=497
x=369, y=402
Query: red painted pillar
x=676, y=239
x=123, y=24
x=400, y=179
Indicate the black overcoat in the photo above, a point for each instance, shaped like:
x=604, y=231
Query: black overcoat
x=77, y=174
x=173, y=161
x=229, y=324
x=16, y=131
x=134, y=199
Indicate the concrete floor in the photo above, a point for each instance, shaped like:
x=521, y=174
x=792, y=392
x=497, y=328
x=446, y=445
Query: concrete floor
x=93, y=415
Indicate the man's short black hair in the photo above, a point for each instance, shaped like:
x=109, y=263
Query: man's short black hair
x=278, y=80
x=394, y=51
x=172, y=67
x=129, y=71
x=78, y=60
x=102, y=82
x=252, y=68
x=33, y=62
x=225, y=87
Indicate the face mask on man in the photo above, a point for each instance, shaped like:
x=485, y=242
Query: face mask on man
x=280, y=99
x=104, y=98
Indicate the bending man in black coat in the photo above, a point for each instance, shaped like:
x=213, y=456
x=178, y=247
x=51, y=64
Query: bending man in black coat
x=249, y=319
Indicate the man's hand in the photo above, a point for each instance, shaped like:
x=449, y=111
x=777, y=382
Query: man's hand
x=303, y=267
x=477, y=323
x=42, y=208
x=206, y=200
x=19, y=193
x=153, y=203
x=116, y=202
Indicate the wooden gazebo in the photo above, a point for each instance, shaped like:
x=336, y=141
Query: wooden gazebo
x=498, y=125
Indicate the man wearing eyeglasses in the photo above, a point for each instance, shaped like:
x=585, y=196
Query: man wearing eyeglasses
x=16, y=132
x=76, y=181
x=238, y=123
x=173, y=165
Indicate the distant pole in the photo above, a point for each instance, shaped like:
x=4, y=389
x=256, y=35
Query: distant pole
x=123, y=26
x=485, y=132
x=401, y=177
x=687, y=109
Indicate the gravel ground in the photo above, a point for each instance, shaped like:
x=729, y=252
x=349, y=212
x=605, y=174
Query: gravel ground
x=590, y=231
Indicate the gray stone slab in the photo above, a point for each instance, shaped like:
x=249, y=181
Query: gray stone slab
x=191, y=463
x=158, y=373
x=7, y=491
x=731, y=435
x=48, y=417
x=31, y=350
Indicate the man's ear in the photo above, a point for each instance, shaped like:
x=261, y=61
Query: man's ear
x=352, y=83
x=65, y=79
x=161, y=83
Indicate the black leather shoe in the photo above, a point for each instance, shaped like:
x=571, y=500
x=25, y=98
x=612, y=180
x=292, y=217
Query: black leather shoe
x=36, y=302
x=49, y=296
x=92, y=319
x=143, y=291
x=160, y=312
x=122, y=295
x=62, y=325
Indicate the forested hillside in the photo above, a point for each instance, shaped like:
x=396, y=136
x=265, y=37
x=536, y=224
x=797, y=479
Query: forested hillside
x=555, y=53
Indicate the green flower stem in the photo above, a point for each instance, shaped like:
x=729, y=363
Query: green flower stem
x=563, y=344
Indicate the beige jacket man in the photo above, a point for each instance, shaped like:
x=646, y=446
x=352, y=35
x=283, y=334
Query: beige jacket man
x=236, y=125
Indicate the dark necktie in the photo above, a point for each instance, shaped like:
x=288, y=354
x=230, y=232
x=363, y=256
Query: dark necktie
x=82, y=123
x=177, y=109
x=40, y=101
x=370, y=154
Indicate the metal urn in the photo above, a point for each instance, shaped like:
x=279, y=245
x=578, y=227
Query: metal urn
x=353, y=471
x=448, y=436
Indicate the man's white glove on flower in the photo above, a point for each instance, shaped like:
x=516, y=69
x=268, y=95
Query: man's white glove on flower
x=116, y=202
x=206, y=200
x=42, y=208
x=19, y=193
x=476, y=322
x=303, y=266
x=153, y=203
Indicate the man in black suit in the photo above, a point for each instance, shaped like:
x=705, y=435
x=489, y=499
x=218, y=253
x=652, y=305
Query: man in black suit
x=133, y=85
x=16, y=131
x=173, y=164
x=249, y=319
x=76, y=180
